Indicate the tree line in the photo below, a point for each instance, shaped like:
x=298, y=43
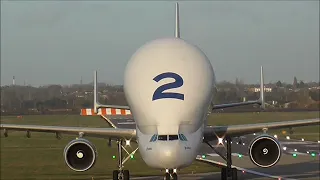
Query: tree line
x=58, y=98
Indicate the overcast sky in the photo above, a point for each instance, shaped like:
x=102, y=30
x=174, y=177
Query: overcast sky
x=58, y=42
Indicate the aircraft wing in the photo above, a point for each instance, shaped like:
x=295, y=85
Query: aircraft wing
x=260, y=101
x=214, y=132
x=221, y=106
x=81, y=131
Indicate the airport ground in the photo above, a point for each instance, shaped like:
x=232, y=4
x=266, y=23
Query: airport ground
x=40, y=157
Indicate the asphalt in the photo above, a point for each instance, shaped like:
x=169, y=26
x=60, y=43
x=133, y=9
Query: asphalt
x=303, y=166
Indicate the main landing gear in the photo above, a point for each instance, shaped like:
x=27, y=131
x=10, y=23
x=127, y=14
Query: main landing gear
x=170, y=173
x=227, y=172
x=122, y=174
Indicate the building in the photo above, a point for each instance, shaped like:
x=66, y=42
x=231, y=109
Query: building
x=254, y=89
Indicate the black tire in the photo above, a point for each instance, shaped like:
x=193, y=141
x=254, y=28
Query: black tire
x=174, y=176
x=126, y=175
x=223, y=173
x=115, y=175
x=167, y=176
x=234, y=174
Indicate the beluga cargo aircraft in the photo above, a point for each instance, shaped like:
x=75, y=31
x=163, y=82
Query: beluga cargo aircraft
x=169, y=85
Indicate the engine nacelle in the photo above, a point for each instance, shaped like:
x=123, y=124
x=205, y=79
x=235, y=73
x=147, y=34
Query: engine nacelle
x=265, y=151
x=80, y=154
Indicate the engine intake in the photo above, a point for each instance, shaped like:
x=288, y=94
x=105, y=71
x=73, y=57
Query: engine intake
x=265, y=151
x=80, y=154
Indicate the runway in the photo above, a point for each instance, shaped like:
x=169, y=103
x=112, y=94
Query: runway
x=302, y=165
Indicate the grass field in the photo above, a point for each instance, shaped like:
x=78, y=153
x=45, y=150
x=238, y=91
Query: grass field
x=40, y=157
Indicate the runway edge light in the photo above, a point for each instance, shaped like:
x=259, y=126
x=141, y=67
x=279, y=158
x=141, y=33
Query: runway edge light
x=294, y=155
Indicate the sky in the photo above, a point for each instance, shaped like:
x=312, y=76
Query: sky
x=54, y=42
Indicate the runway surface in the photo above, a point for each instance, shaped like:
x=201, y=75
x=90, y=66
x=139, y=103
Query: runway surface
x=301, y=166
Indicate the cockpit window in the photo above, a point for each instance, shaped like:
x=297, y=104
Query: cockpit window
x=163, y=137
x=173, y=137
x=182, y=137
x=153, y=138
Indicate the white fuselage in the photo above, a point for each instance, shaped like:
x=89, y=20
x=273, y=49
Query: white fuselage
x=169, y=85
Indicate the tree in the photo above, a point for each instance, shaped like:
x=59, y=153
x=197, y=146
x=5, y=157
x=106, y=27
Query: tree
x=301, y=84
x=295, y=83
x=279, y=84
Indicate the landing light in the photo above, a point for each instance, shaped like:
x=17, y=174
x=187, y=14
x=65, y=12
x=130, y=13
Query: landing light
x=284, y=148
x=275, y=136
x=302, y=139
x=220, y=140
x=127, y=142
x=288, y=137
x=295, y=150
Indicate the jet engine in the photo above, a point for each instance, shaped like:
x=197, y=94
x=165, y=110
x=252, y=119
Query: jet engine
x=265, y=151
x=80, y=154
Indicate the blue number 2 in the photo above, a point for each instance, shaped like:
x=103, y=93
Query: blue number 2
x=159, y=94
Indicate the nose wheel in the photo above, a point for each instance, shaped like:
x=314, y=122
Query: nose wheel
x=170, y=175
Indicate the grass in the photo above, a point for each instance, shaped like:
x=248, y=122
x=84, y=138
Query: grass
x=40, y=157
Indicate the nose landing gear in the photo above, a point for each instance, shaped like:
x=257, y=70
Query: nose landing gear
x=171, y=174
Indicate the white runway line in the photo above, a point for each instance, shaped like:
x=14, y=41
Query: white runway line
x=217, y=155
x=298, y=153
x=295, y=142
x=126, y=123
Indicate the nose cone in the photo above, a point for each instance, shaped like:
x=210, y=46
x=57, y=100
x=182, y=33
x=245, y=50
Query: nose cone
x=169, y=151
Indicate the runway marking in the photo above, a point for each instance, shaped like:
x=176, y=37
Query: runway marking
x=242, y=169
x=108, y=121
x=298, y=153
x=126, y=123
x=295, y=142
x=217, y=155
x=312, y=145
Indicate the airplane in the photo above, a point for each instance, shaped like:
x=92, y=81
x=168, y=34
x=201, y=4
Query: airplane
x=169, y=86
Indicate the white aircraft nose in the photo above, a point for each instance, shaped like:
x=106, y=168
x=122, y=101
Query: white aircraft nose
x=168, y=152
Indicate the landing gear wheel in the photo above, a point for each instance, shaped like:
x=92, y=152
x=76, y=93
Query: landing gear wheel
x=115, y=175
x=223, y=173
x=167, y=176
x=234, y=174
x=126, y=175
x=174, y=176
